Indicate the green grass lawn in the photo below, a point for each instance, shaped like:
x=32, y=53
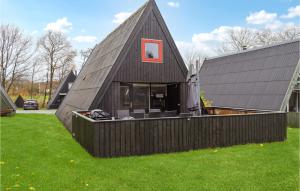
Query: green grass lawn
x=37, y=153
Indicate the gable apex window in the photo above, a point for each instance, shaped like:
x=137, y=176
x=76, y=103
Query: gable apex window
x=152, y=50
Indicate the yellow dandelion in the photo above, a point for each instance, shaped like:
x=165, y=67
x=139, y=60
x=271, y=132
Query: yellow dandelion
x=261, y=145
x=86, y=184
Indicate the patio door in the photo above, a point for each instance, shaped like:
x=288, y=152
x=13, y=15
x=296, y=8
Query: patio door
x=158, y=93
x=146, y=97
x=140, y=97
x=173, y=98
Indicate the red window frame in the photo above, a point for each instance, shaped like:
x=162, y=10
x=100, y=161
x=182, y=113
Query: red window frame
x=160, y=51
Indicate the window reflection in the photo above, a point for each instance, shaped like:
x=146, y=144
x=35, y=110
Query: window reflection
x=125, y=97
x=151, y=50
x=140, y=97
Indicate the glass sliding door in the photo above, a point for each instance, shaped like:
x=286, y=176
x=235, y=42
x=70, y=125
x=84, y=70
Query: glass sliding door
x=124, y=96
x=140, y=96
x=148, y=97
x=158, y=95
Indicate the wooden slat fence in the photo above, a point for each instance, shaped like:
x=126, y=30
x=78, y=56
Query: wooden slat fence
x=294, y=119
x=165, y=135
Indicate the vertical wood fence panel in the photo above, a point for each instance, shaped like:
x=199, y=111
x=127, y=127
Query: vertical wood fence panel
x=294, y=119
x=164, y=135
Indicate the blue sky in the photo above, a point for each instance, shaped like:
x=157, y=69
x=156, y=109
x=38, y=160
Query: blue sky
x=191, y=22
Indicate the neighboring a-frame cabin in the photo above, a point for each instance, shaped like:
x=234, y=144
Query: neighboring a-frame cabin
x=19, y=102
x=7, y=105
x=136, y=68
x=264, y=78
x=61, y=91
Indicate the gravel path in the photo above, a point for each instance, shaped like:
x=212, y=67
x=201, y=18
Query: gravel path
x=50, y=112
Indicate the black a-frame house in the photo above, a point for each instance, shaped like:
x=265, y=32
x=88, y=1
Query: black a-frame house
x=19, y=102
x=137, y=67
x=7, y=107
x=61, y=91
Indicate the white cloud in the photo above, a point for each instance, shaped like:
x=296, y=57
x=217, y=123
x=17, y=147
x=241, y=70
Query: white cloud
x=261, y=17
x=121, y=17
x=292, y=12
x=278, y=25
x=202, y=37
x=207, y=43
x=274, y=25
x=218, y=34
x=85, y=39
x=60, y=25
x=174, y=4
x=210, y=42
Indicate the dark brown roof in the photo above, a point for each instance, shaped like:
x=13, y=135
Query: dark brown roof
x=257, y=79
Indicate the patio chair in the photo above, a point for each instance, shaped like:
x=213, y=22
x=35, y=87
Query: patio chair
x=122, y=113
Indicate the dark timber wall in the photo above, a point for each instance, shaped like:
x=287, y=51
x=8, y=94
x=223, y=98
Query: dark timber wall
x=118, y=59
x=134, y=70
x=165, y=135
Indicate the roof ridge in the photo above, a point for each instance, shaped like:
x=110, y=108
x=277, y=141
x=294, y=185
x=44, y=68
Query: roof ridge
x=255, y=49
x=123, y=23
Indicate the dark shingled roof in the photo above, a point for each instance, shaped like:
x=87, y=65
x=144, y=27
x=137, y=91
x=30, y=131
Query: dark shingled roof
x=62, y=88
x=97, y=73
x=7, y=105
x=258, y=79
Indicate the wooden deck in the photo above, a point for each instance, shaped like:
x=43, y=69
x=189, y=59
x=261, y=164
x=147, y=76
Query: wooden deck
x=115, y=138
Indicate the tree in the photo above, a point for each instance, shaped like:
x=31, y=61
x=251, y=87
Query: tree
x=266, y=37
x=46, y=87
x=289, y=33
x=238, y=40
x=15, y=53
x=190, y=56
x=241, y=39
x=56, y=51
x=35, y=68
x=66, y=65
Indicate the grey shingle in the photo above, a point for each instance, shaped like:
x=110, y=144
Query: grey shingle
x=96, y=70
x=255, y=79
x=5, y=101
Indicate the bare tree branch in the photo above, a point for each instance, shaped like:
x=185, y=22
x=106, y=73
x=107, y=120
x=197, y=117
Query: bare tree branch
x=15, y=53
x=56, y=51
x=238, y=40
